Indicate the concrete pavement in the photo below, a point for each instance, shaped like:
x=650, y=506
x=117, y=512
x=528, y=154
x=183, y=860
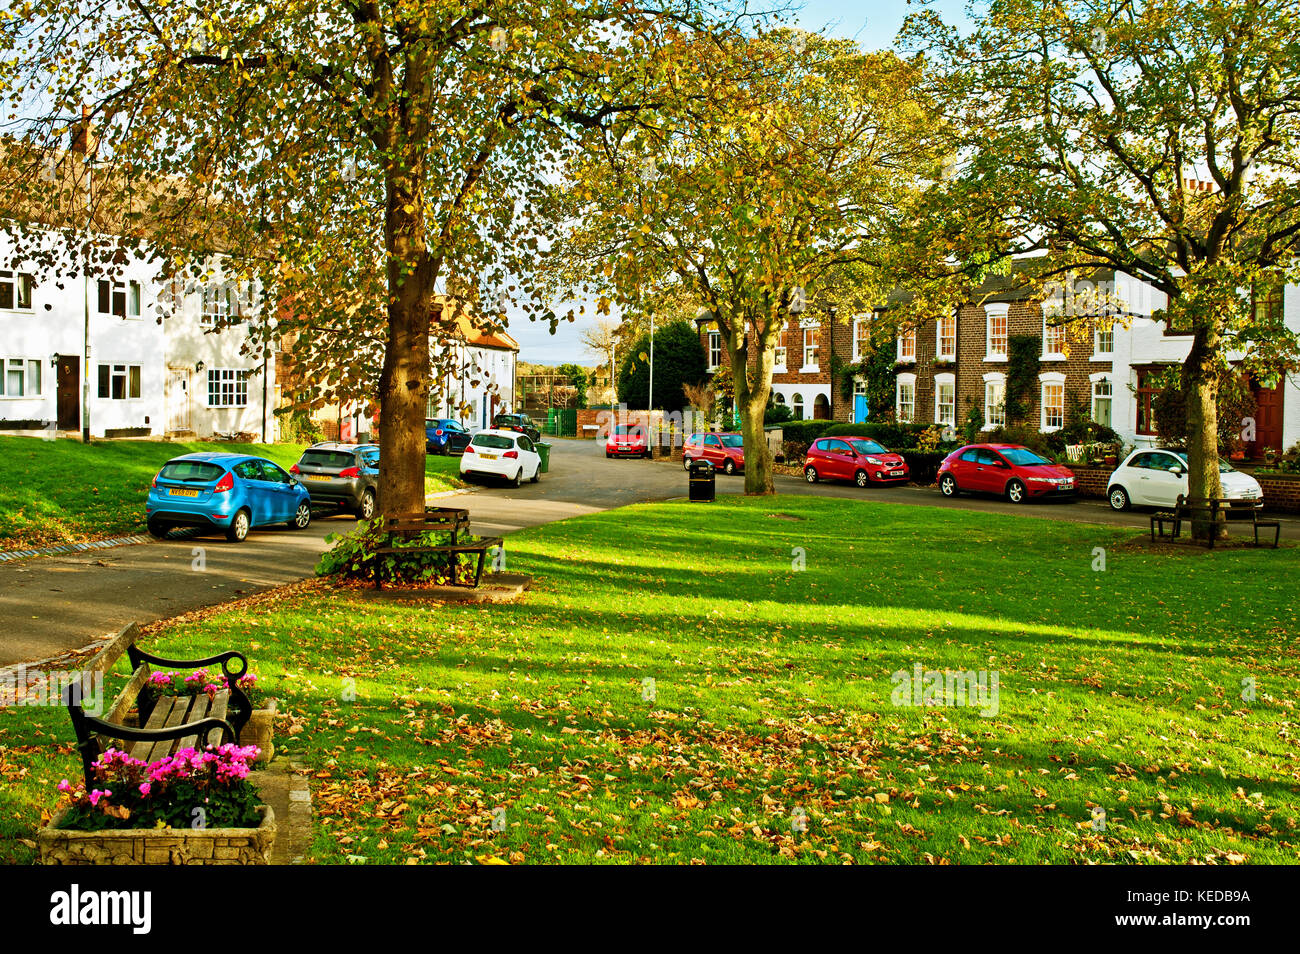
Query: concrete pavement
x=50, y=605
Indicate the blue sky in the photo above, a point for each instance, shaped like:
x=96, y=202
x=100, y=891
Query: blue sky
x=873, y=23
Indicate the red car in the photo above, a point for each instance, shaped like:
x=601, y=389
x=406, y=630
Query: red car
x=1010, y=470
x=624, y=441
x=858, y=459
x=724, y=451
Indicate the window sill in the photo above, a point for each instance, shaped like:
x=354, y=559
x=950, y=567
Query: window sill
x=17, y=311
x=810, y=369
x=1052, y=357
x=905, y=361
x=945, y=359
x=1049, y=430
x=1107, y=356
x=996, y=358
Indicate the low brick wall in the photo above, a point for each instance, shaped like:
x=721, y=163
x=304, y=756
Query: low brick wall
x=159, y=846
x=1281, y=494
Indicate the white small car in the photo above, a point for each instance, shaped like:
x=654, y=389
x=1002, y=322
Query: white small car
x=498, y=453
x=1155, y=478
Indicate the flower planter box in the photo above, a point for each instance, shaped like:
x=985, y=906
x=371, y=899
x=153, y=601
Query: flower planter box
x=159, y=846
x=260, y=732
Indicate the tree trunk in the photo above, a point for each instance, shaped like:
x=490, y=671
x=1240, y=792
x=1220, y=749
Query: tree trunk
x=752, y=401
x=404, y=381
x=1200, y=385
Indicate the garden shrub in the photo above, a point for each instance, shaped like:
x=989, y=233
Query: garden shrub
x=353, y=557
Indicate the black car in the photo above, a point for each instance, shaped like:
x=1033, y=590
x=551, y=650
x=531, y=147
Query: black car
x=341, y=476
x=442, y=435
x=518, y=422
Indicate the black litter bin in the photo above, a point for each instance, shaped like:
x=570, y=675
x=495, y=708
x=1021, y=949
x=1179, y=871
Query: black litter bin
x=703, y=485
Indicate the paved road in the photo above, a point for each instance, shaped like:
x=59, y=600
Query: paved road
x=55, y=604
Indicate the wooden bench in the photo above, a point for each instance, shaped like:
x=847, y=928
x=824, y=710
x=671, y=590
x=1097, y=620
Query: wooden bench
x=452, y=521
x=167, y=723
x=1187, y=509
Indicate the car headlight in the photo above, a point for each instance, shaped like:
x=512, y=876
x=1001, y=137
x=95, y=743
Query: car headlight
x=875, y=460
x=1042, y=480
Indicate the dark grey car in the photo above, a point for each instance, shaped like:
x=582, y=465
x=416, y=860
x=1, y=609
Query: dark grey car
x=342, y=476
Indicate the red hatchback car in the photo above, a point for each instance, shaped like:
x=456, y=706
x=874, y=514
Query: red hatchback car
x=724, y=451
x=858, y=459
x=624, y=441
x=1010, y=470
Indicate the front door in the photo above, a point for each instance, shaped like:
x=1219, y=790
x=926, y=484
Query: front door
x=69, y=387
x=1268, y=420
x=178, y=400
x=859, y=408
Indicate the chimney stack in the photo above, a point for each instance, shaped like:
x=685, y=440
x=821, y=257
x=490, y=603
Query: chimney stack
x=83, y=142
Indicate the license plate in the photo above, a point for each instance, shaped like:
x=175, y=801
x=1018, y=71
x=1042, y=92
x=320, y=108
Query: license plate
x=182, y=493
x=896, y=473
x=317, y=477
x=488, y=456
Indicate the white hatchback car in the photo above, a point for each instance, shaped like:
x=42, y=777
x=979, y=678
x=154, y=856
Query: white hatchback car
x=1155, y=478
x=497, y=453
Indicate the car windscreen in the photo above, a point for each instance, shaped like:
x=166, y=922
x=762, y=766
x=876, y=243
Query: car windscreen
x=370, y=458
x=1224, y=466
x=732, y=440
x=330, y=460
x=622, y=431
x=492, y=441
x=1022, y=456
x=195, y=471
x=868, y=447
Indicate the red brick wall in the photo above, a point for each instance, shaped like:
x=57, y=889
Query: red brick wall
x=1280, y=494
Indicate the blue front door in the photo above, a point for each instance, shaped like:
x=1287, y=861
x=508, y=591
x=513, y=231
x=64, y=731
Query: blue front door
x=859, y=408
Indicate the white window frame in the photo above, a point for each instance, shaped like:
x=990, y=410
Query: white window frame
x=905, y=381
x=123, y=370
x=810, y=367
x=1048, y=328
x=18, y=281
x=1097, y=353
x=131, y=291
x=218, y=300
x=797, y=405
x=942, y=381
x=859, y=323
x=1104, y=377
x=1046, y=380
x=714, y=339
x=907, y=336
x=998, y=311
x=991, y=419
x=939, y=353
x=779, y=358
x=26, y=369
x=231, y=387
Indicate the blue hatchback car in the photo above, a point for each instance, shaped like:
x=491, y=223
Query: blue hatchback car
x=229, y=492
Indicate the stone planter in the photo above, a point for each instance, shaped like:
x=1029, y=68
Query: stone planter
x=259, y=731
x=159, y=846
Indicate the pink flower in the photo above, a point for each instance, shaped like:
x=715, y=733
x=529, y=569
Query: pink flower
x=64, y=786
x=96, y=795
x=144, y=788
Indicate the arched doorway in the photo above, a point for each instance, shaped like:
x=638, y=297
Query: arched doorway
x=821, y=408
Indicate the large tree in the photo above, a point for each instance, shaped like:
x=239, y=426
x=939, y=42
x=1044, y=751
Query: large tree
x=769, y=166
x=1155, y=138
x=348, y=154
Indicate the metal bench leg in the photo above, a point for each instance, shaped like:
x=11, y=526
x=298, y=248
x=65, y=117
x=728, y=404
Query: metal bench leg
x=478, y=574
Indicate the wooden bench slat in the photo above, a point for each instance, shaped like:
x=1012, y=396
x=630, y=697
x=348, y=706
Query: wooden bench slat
x=202, y=708
x=162, y=711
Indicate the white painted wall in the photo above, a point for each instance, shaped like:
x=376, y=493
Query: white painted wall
x=480, y=373
x=809, y=393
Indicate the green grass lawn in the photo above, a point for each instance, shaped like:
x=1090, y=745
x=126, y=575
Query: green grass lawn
x=64, y=491
x=1119, y=690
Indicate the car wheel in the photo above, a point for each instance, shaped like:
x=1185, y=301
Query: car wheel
x=367, y=508
x=810, y=474
x=519, y=478
x=1016, y=492
x=729, y=467
x=301, y=516
x=537, y=475
x=948, y=485
x=238, y=528
x=686, y=463
x=1118, y=497
x=158, y=529
x=608, y=455
x=861, y=479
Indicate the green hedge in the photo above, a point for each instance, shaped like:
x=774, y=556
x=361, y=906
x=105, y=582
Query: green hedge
x=893, y=436
x=804, y=432
x=923, y=465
